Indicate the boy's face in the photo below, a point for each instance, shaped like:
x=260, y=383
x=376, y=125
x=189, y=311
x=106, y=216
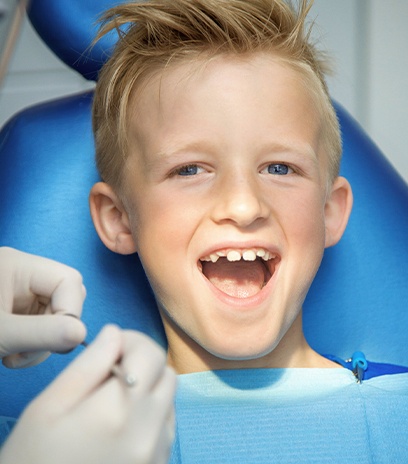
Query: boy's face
x=227, y=203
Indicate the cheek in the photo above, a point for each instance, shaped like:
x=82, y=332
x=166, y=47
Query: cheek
x=156, y=218
x=162, y=227
x=305, y=223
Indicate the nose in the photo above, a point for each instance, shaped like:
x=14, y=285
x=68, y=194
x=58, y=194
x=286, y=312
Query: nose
x=239, y=201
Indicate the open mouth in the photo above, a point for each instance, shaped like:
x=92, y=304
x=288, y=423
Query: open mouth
x=239, y=273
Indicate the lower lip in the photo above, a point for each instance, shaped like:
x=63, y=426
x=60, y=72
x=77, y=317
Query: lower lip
x=243, y=303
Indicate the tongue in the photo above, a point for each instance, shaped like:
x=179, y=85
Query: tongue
x=240, y=279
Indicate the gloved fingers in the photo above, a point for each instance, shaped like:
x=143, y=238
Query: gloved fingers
x=159, y=404
x=136, y=422
x=86, y=374
x=164, y=395
x=164, y=443
x=145, y=361
x=152, y=396
x=29, y=335
x=138, y=358
x=28, y=277
x=62, y=285
x=150, y=417
x=142, y=359
x=25, y=359
x=143, y=414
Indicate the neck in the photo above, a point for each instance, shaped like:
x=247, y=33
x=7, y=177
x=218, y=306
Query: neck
x=186, y=356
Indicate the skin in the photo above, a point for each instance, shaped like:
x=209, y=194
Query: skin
x=205, y=142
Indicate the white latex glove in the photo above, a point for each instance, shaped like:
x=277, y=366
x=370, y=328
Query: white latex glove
x=34, y=286
x=88, y=416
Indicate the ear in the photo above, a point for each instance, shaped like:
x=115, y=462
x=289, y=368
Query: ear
x=110, y=219
x=337, y=210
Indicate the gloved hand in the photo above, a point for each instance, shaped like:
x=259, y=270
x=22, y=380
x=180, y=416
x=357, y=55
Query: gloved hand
x=89, y=416
x=34, y=292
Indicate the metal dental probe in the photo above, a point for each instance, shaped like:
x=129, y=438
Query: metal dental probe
x=128, y=379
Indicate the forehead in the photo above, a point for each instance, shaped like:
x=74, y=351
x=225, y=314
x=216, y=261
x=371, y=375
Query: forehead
x=177, y=77
x=259, y=93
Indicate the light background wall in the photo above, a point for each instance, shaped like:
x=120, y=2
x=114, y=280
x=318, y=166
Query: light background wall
x=367, y=39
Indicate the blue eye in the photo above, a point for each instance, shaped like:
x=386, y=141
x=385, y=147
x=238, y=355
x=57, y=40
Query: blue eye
x=278, y=169
x=189, y=170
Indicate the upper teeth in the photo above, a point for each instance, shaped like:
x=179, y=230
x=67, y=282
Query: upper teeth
x=237, y=255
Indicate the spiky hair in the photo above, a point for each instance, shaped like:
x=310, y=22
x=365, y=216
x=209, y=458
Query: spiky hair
x=154, y=34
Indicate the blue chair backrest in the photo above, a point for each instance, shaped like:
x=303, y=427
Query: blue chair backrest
x=359, y=300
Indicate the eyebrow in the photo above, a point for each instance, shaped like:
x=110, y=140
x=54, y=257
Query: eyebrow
x=195, y=146
x=206, y=147
x=295, y=148
x=298, y=150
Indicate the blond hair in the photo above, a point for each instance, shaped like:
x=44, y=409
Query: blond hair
x=154, y=33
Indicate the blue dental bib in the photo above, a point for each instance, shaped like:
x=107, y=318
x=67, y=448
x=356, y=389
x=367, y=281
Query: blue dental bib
x=290, y=416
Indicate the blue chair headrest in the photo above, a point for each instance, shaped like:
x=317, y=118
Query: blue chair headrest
x=69, y=27
x=358, y=301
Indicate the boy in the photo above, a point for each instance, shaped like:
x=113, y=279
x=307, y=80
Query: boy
x=219, y=150
x=221, y=169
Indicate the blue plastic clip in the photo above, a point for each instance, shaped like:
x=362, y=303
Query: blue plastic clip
x=359, y=365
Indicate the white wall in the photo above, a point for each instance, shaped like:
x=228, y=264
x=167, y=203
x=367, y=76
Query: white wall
x=387, y=105
x=368, y=40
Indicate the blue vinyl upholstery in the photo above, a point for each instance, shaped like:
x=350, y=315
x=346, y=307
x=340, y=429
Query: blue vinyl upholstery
x=359, y=300
x=68, y=27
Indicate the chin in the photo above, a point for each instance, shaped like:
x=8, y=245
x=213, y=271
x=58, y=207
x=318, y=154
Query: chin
x=242, y=352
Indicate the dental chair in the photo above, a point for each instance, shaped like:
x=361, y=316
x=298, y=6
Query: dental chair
x=359, y=300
